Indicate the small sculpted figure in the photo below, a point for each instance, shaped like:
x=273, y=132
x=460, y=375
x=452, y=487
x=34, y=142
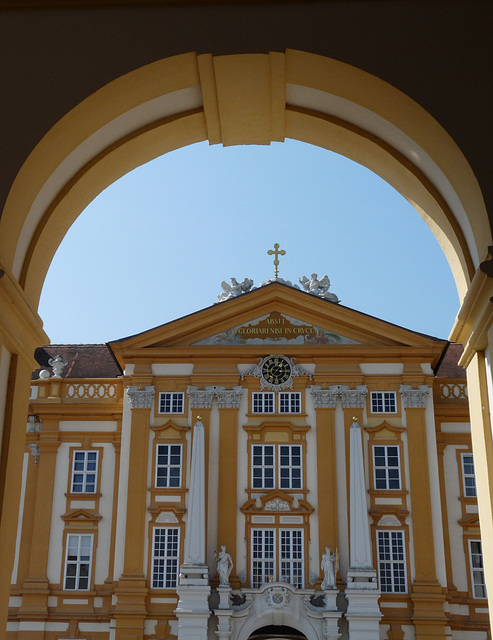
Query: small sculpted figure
x=328, y=567
x=224, y=566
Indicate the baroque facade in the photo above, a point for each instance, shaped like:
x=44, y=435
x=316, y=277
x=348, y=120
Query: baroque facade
x=276, y=465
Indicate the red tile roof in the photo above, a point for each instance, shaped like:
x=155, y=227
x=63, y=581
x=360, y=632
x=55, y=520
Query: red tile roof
x=448, y=367
x=84, y=360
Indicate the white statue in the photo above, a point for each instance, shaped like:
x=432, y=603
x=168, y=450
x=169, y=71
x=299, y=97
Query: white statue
x=57, y=364
x=234, y=289
x=329, y=569
x=224, y=566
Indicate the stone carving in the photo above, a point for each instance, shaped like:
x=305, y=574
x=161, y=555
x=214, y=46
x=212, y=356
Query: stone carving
x=58, y=363
x=277, y=505
x=318, y=287
x=226, y=398
x=238, y=600
x=354, y=398
x=277, y=597
x=317, y=601
x=141, y=398
x=229, y=398
x=325, y=398
x=328, y=566
x=224, y=566
x=414, y=398
x=35, y=451
x=234, y=289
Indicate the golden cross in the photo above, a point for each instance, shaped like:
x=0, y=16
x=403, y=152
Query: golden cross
x=276, y=252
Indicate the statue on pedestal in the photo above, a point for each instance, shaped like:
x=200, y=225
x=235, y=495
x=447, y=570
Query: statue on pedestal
x=328, y=567
x=224, y=566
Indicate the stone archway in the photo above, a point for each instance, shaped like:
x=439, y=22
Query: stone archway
x=235, y=99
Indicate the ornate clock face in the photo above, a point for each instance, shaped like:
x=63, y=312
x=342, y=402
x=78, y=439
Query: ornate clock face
x=276, y=370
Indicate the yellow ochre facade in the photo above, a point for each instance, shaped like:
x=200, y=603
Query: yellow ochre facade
x=238, y=428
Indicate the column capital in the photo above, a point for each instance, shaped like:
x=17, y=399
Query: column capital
x=229, y=398
x=200, y=398
x=325, y=398
x=414, y=398
x=353, y=398
x=141, y=398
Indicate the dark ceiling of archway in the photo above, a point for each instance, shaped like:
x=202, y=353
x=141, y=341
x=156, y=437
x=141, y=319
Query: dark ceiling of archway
x=437, y=52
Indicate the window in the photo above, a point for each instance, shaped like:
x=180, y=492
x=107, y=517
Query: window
x=468, y=476
x=290, y=402
x=165, y=557
x=268, y=565
x=264, y=466
x=78, y=562
x=386, y=468
x=391, y=561
x=383, y=402
x=263, y=403
x=168, y=465
x=171, y=402
x=477, y=569
x=84, y=471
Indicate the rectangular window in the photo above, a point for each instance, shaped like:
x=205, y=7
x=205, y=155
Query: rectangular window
x=78, y=562
x=168, y=465
x=477, y=569
x=391, y=561
x=263, y=466
x=386, y=467
x=291, y=557
x=383, y=402
x=263, y=403
x=263, y=557
x=289, y=402
x=84, y=471
x=165, y=557
x=468, y=475
x=277, y=553
x=171, y=402
x=290, y=466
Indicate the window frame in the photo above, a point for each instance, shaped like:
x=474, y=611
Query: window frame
x=276, y=558
x=401, y=563
x=85, y=472
x=278, y=478
x=161, y=394
x=263, y=395
x=293, y=395
x=466, y=476
x=167, y=557
x=386, y=467
x=473, y=571
x=169, y=466
x=383, y=394
x=78, y=562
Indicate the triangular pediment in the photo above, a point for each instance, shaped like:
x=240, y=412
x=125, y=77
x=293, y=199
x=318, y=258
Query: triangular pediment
x=274, y=315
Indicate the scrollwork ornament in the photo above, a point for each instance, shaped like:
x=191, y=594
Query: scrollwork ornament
x=324, y=398
x=200, y=398
x=35, y=451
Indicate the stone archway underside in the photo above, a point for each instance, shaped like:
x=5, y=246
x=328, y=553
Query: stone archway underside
x=240, y=99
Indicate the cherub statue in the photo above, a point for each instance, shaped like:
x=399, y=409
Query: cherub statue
x=234, y=289
x=318, y=287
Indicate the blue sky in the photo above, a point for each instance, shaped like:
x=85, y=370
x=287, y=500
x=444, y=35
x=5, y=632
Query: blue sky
x=156, y=244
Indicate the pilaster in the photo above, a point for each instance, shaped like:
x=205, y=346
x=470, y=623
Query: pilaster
x=35, y=588
x=13, y=447
x=325, y=401
x=427, y=594
x=228, y=402
x=130, y=610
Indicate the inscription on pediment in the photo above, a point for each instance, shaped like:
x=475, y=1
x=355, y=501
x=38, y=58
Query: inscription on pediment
x=276, y=328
